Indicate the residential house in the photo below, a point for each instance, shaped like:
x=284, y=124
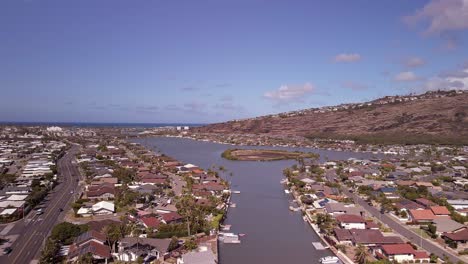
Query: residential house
x=440, y=211
x=422, y=216
x=460, y=237
x=340, y=208
x=401, y=253
x=201, y=256
x=348, y=221
x=90, y=242
x=425, y=202
x=150, y=222
x=148, y=249
x=171, y=218
x=104, y=191
x=103, y=208
x=447, y=225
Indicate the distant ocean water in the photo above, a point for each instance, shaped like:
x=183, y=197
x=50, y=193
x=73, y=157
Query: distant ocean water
x=91, y=124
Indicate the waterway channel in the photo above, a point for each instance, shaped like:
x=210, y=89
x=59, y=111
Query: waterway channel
x=274, y=234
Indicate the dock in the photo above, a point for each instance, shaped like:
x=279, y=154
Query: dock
x=319, y=246
x=229, y=238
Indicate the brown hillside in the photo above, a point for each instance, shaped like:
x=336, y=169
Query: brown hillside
x=435, y=116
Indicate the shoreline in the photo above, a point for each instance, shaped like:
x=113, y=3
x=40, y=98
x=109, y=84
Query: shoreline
x=343, y=258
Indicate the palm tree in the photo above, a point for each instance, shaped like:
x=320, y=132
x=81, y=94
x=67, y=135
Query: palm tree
x=361, y=254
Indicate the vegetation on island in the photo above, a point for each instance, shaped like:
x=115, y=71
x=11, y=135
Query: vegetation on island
x=265, y=155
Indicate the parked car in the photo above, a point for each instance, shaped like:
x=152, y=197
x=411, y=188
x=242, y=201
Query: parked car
x=7, y=250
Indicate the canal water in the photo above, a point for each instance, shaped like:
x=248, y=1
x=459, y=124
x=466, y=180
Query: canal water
x=274, y=234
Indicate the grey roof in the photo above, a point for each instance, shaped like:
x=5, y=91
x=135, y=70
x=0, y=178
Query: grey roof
x=447, y=225
x=199, y=257
x=340, y=207
x=161, y=245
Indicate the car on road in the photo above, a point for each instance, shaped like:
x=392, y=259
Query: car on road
x=39, y=213
x=60, y=209
x=71, y=192
x=7, y=250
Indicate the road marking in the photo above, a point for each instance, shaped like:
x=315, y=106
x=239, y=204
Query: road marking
x=47, y=214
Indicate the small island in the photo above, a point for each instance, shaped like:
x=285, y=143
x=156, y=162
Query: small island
x=265, y=155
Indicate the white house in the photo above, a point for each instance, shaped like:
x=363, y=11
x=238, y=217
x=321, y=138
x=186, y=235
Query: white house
x=103, y=208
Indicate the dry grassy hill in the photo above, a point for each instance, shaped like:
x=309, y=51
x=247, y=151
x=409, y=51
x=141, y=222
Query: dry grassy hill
x=430, y=119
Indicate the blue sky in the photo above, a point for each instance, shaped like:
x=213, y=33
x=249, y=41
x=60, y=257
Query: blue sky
x=209, y=61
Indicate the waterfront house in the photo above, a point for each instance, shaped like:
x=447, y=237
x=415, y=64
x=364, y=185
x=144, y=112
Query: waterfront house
x=349, y=221
x=366, y=237
x=148, y=249
x=202, y=255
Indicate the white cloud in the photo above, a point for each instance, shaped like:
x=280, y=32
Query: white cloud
x=441, y=16
x=453, y=80
x=288, y=93
x=347, y=57
x=406, y=76
x=414, y=62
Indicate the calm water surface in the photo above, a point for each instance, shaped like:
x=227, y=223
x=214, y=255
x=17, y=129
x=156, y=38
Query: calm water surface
x=273, y=233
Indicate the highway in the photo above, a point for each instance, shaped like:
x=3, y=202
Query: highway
x=400, y=229
x=34, y=229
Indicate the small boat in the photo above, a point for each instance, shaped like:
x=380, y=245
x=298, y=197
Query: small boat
x=226, y=227
x=236, y=192
x=286, y=191
x=233, y=205
x=329, y=260
x=241, y=235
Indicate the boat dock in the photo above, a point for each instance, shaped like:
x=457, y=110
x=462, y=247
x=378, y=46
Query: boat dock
x=229, y=238
x=319, y=246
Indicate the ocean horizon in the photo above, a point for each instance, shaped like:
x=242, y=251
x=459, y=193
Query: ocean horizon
x=99, y=124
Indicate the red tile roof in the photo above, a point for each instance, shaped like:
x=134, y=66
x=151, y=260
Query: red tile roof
x=103, y=251
x=458, y=236
x=151, y=221
x=171, y=217
x=398, y=249
x=348, y=218
x=419, y=215
x=440, y=210
x=421, y=255
x=425, y=202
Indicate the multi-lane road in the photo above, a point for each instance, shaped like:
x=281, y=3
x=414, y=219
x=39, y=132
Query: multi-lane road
x=400, y=229
x=34, y=229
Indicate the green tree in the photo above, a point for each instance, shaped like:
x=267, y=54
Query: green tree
x=325, y=222
x=50, y=253
x=113, y=234
x=361, y=254
x=66, y=232
x=85, y=259
x=174, y=244
x=190, y=244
